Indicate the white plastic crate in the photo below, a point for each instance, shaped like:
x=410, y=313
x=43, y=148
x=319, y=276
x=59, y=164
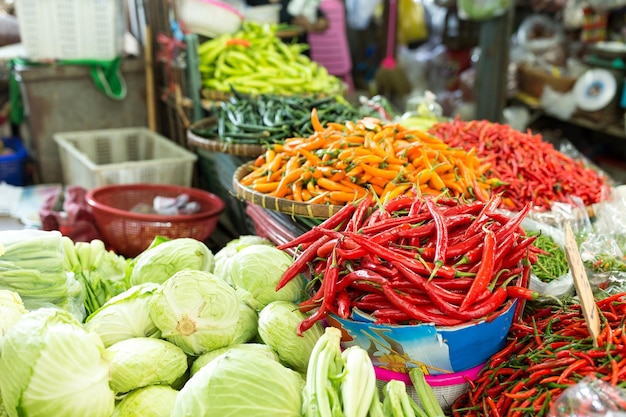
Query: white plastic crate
x=123, y=156
x=71, y=29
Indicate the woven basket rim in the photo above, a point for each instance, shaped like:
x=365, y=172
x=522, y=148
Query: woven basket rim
x=216, y=145
x=281, y=205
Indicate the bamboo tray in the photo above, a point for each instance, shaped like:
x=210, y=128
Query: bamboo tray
x=281, y=205
x=216, y=145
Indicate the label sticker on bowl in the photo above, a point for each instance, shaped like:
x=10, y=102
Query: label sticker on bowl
x=438, y=350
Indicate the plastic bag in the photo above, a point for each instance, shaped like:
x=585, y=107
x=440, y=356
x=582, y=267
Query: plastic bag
x=604, y=263
x=412, y=22
x=561, y=286
x=590, y=397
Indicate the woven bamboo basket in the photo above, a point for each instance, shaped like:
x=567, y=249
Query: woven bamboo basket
x=216, y=145
x=281, y=205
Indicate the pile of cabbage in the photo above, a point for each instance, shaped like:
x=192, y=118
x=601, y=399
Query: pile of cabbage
x=177, y=331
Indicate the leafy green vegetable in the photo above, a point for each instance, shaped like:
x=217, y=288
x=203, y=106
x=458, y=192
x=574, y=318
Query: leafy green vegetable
x=322, y=391
x=397, y=402
x=358, y=386
x=278, y=324
x=207, y=357
x=225, y=256
x=196, y=311
x=101, y=273
x=11, y=309
x=241, y=384
x=143, y=361
x=150, y=401
x=257, y=269
x=32, y=264
x=51, y=366
x=160, y=262
x=247, y=324
x=125, y=316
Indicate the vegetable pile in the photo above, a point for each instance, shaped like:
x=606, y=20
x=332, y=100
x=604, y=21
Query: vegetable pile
x=344, y=384
x=530, y=169
x=268, y=118
x=412, y=260
x=208, y=336
x=343, y=162
x=547, y=352
x=254, y=60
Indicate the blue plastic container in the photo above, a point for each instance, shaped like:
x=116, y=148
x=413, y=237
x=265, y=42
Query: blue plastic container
x=438, y=350
x=12, y=164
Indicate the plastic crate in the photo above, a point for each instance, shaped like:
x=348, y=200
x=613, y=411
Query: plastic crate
x=12, y=164
x=71, y=29
x=123, y=156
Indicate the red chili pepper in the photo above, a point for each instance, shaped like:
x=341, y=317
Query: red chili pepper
x=482, y=218
x=523, y=293
x=458, y=249
x=325, y=250
x=301, y=261
x=356, y=221
x=314, y=234
x=570, y=369
x=414, y=312
x=442, y=232
x=343, y=304
x=329, y=284
x=484, y=274
x=395, y=256
x=361, y=274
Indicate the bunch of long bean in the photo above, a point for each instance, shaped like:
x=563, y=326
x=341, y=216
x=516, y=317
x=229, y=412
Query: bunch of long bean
x=547, y=352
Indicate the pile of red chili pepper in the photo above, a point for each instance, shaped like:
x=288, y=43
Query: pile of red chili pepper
x=413, y=260
x=531, y=169
x=548, y=351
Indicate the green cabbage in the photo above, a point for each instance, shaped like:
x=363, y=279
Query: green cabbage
x=241, y=384
x=142, y=361
x=257, y=269
x=160, y=262
x=125, y=315
x=225, y=256
x=51, y=366
x=246, y=325
x=150, y=401
x=278, y=324
x=207, y=357
x=11, y=309
x=196, y=311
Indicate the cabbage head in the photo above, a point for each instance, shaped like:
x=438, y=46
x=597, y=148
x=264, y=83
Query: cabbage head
x=158, y=263
x=11, y=309
x=150, y=401
x=207, y=357
x=125, y=316
x=196, y=311
x=142, y=361
x=247, y=324
x=224, y=257
x=278, y=324
x=257, y=269
x=51, y=366
x=241, y=384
